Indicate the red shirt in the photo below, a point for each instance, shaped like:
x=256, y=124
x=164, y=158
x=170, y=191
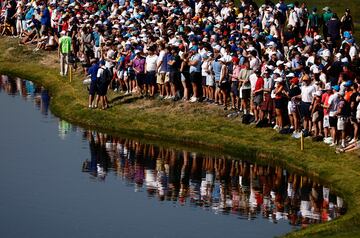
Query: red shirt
x=325, y=102
x=259, y=84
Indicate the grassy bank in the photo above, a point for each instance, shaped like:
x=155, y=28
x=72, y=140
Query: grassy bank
x=192, y=125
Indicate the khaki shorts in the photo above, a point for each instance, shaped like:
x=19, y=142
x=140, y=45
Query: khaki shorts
x=162, y=78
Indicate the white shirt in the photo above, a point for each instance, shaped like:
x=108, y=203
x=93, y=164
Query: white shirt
x=253, y=78
x=333, y=103
x=255, y=63
x=353, y=52
x=160, y=59
x=110, y=54
x=307, y=93
x=151, y=61
x=293, y=18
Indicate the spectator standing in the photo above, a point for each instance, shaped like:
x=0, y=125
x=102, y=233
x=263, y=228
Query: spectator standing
x=64, y=52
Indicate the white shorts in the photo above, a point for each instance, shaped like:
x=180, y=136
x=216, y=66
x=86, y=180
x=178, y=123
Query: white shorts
x=341, y=123
x=326, y=123
x=210, y=80
x=358, y=115
x=121, y=74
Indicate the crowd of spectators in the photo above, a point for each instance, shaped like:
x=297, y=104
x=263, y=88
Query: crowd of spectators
x=278, y=64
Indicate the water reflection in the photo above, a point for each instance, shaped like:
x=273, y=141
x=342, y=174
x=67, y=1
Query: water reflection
x=28, y=91
x=218, y=184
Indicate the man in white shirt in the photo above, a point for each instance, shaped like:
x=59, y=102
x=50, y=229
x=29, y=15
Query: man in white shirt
x=333, y=104
x=150, y=71
x=307, y=95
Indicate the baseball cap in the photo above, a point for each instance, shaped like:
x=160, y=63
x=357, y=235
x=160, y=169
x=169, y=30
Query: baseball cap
x=336, y=88
x=348, y=83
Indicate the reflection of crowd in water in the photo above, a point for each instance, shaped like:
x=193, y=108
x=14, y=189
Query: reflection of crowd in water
x=27, y=90
x=215, y=183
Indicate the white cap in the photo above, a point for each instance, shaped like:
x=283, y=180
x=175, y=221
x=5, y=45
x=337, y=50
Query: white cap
x=279, y=79
x=271, y=44
x=290, y=75
x=345, y=60
x=217, y=47
x=270, y=67
x=251, y=48
x=326, y=53
x=317, y=37
x=328, y=86
x=279, y=62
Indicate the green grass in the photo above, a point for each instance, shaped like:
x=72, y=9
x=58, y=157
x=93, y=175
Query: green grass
x=193, y=126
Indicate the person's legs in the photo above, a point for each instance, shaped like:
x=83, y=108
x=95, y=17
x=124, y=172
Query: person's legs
x=356, y=129
x=295, y=120
x=66, y=62
x=127, y=84
x=224, y=94
x=62, y=64
x=333, y=125
x=186, y=97
x=91, y=99
x=279, y=117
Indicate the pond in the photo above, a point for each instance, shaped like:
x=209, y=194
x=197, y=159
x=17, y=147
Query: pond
x=61, y=180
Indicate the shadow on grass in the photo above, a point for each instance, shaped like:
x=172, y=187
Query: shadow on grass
x=125, y=99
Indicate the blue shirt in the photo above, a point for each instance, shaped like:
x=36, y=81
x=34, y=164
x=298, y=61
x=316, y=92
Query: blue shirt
x=93, y=72
x=96, y=36
x=217, y=70
x=45, y=18
x=197, y=67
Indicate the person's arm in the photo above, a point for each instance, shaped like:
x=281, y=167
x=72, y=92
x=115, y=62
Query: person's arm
x=279, y=90
x=339, y=108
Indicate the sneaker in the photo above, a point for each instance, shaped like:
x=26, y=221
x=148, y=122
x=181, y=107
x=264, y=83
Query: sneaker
x=342, y=146
x=352, y=141
x=294, y=135
x=276, y=127
x=193, y=99
x=332, y=144
x=328, y=140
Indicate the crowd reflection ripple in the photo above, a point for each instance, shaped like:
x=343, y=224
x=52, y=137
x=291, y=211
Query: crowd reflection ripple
x=217, y=184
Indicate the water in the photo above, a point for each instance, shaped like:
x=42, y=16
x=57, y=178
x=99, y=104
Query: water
x=59, y=180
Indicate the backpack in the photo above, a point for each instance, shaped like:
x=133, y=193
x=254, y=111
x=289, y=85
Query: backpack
x=105, y=77
x=313, y=20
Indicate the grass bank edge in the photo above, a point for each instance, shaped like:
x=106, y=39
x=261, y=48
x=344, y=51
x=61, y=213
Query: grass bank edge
x=66, y=104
